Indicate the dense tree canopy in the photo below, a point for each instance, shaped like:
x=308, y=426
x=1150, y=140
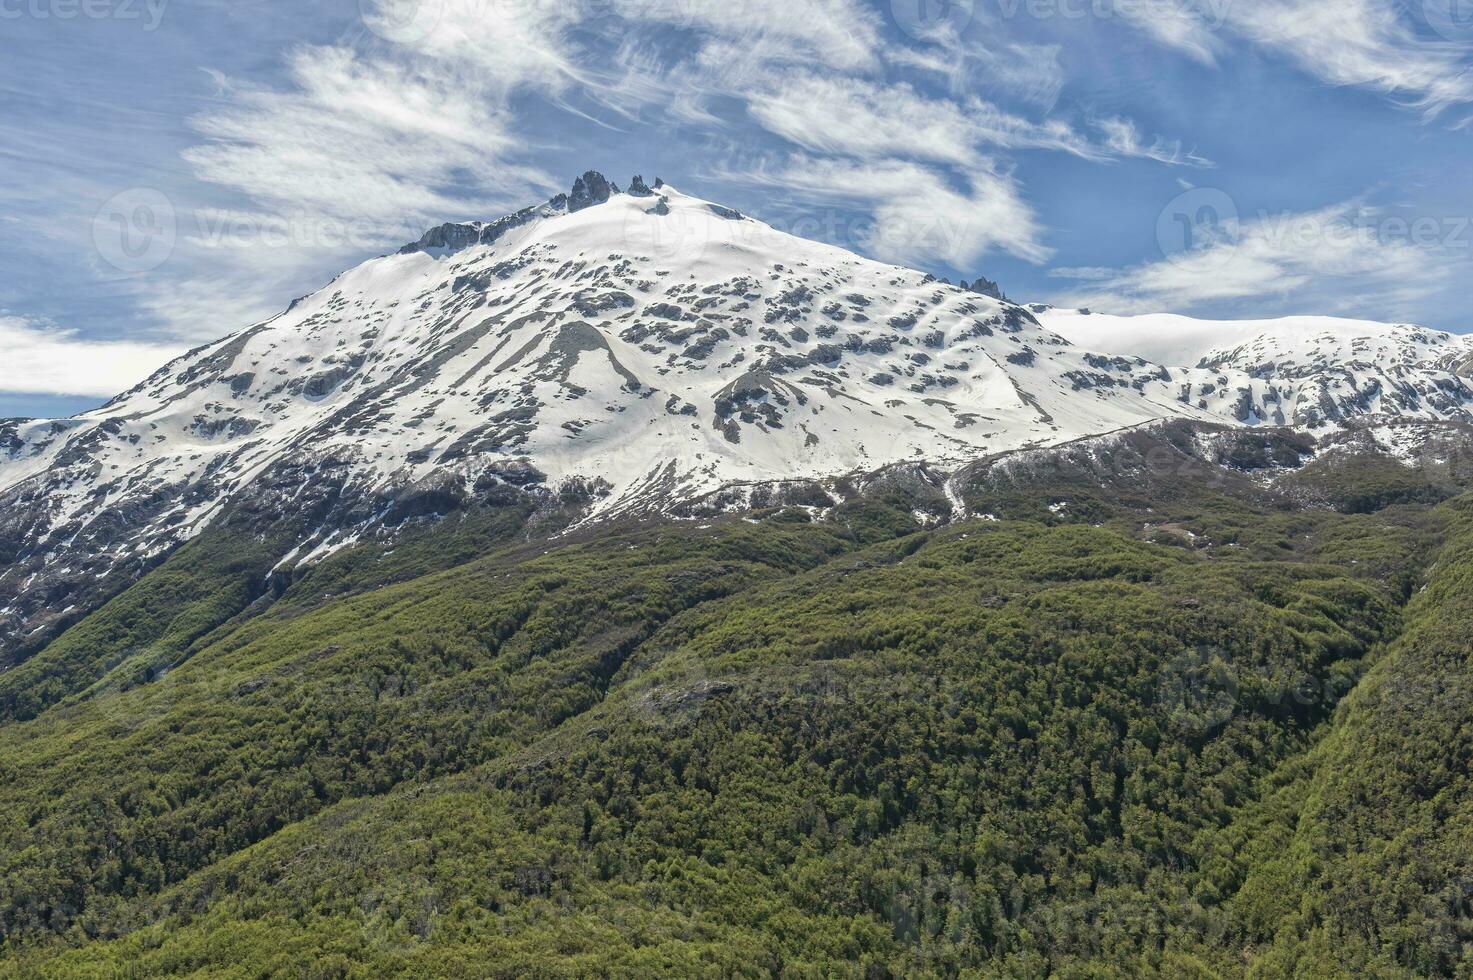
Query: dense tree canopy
x=1205, y=736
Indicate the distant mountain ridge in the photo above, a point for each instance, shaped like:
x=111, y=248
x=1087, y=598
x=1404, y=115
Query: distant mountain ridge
x=1306, y=372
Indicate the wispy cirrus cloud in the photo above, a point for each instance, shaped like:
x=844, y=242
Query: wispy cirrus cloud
x=919, y=215
x=1190, y=26
x=860, y=118
x=1030, y=71
x=1368, y=43
x=359, y=136
x=1123, y=138
x=1372, y=44
x=1345, y=258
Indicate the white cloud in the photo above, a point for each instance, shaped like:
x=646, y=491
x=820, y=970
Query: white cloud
x=359, y=137
x=1360, y=42
x=1188, y=26
x=496, y=46
x=859, y=118
x=44, y=361
x=856, y=117
x=736, y=50
x=838, y=34
x=919, y=217
x=1346, y=258
x=1366, y=43
x=1123, y=138
x=1031, y=72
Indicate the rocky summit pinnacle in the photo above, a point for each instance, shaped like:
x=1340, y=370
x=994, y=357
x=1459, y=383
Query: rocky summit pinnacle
x=590, y=189
x=985, y=287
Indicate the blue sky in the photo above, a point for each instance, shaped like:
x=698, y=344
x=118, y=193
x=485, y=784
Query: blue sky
x=176, y=169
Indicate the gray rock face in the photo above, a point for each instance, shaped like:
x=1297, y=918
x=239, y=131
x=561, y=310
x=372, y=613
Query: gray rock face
x=984, y=286
x=589, y=190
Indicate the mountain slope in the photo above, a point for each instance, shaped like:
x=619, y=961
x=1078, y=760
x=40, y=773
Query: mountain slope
x=763, y=746
x=648, y=347
x=619, y=353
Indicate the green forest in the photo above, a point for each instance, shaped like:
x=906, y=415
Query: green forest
x=1103, y=727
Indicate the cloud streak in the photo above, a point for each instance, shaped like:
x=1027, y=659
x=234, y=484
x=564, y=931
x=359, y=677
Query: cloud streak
x=1346, y=258
x=1123, y=138
x=919, y=215
x=856, y=117
x=1365, y=43
x=1372, y=44
x=43, y=360
x=359, y=137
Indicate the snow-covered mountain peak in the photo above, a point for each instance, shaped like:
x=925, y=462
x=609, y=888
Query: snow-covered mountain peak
x=642, y=347
x=646, y=343
x=592, y=190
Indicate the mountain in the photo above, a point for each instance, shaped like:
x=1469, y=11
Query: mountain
x=622, y=588
x=632, y=352
x=1305, y=371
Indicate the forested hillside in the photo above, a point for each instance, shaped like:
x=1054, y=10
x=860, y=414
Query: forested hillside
x=1126, y=718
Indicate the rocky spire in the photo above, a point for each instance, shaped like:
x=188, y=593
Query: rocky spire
x=984, y=286
x=590, y=189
